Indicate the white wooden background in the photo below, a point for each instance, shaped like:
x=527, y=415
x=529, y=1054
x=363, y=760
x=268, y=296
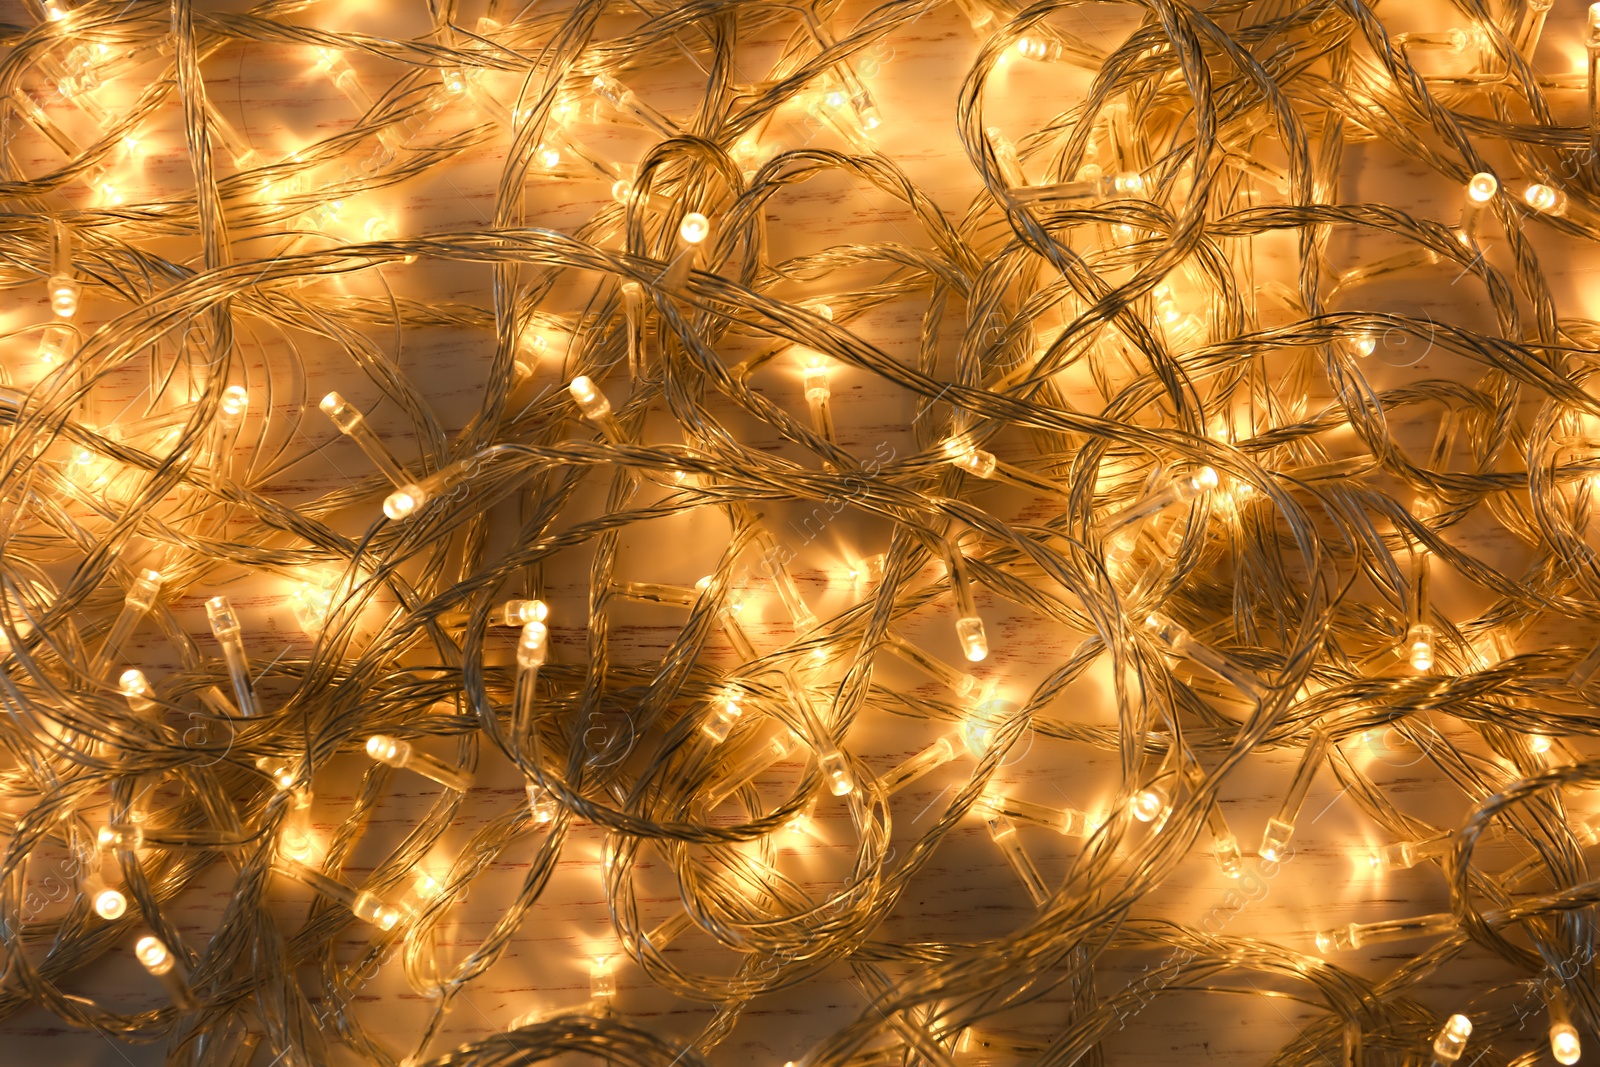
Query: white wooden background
x=969, y=892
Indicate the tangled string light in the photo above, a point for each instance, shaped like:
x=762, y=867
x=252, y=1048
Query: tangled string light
x=1239, y=519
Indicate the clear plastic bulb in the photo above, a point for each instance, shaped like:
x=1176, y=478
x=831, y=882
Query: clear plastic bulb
x=363, y=905
x=942, y=751
x=56, y=344
x=1544, y=199
x=1280, y=828
x=108, y=903
x=353, y=425
x=724, y=715
x=1481, y=188
x=1152, y=804
x=141, y=597
x=397, y=753
x=225, y=626
x=1004, y=834
x=541, y=804
x=1564, y=1044
x=1419, y=647
x=1452, y=1039
x=153, y=954
x=522, y=612
x=135, y=689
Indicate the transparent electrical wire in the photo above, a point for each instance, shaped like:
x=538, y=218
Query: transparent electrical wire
x=1242, y=524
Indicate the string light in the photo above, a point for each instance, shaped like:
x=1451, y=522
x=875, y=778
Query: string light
x=1122, y=419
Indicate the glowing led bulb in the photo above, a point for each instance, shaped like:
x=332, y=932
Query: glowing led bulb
x=1040, y=49
x=311, y=605
x=836, y=770
x=591, y=401
x=1363, y=344
x=1128, y=183
x=1166, y=306
x=387, y=750
x=694, y=228
x=725, y=712
x=1564, y=1044
x=281, y=775
x=1276, y=839
x=868, y=572
x=1540, y=743
x=369, y=908
x=1192, y=485
x=816, y=378
x=1228, y=856
x=154, y=955
x=1151, y=804
x=397, y=753
x=541, y=804
x=974, y=641
x=522, y=612
x=378, y=228
x=1544, y=199
x=533, y=648
x=1452, y=1039
x=110, y=904
x=1419, y=647
x=602, y=983
x=975, y=461
x=136, y=690
x=363, y=905
x=296, y=841
x=1480, y=190
x=64, y=293
x=427, y=886
x=400, y=504
x=234, y=402
x=534, y=645
x=55, y=344
x=156, y=958
x=548, y=156
x=622, y=190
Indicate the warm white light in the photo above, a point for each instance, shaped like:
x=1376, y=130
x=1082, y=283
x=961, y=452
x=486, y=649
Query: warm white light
x=154, y=955
x=110, y=904
x=1452, y=1039
x=234, y=401
x=402, y=502
x=1150, y=803
x=694, y=228
x=1564, y=1044
x=64, y=296
x=385, y=749
x=1540, y=197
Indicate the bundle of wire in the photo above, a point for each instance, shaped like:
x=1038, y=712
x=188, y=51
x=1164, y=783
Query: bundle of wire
x=1117, y=424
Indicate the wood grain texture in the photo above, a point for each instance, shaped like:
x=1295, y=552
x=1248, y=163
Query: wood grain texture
x=967, y=892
